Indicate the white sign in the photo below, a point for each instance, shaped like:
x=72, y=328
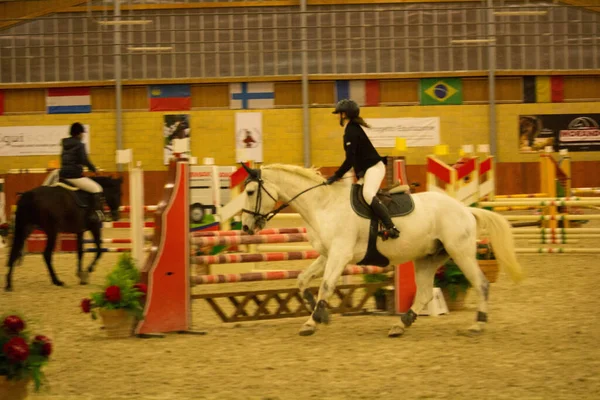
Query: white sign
x=36, y=140
x=248, y=137
x=417, y=131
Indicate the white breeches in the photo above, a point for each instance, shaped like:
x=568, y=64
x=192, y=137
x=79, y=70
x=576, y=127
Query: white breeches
x=372, y=181
x=85, y=184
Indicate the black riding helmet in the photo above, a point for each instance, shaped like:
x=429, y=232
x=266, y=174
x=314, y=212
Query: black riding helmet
x=349, y=107
x=76, y=129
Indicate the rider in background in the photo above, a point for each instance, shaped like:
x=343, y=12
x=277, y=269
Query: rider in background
x=366, y=161
x=73, y=158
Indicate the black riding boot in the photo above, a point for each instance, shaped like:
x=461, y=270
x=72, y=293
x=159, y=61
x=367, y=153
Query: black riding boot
x=97, y=212
x=383, y=214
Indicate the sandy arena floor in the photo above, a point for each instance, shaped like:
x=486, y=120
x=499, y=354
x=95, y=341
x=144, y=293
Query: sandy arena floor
x=541, y=343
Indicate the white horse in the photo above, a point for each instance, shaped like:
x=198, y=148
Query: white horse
x=439, y=228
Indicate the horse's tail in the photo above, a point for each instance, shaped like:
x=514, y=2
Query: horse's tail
x=502, y=240
x=22, y=223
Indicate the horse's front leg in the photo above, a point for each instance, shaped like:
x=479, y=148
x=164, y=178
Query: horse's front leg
x=314, y=270
x=335, y=264
x=97, y=235
x=50, y=243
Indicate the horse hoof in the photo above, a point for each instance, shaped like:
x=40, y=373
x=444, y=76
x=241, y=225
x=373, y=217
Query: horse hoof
x=307, y=330
x=396, y=331
x=321, y=316
x=58, y=283
x=8, y=289
x=84, y=277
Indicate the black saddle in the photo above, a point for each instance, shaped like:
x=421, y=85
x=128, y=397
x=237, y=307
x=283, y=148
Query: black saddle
x=399, y=203
x=396, y=199
x=82, y=198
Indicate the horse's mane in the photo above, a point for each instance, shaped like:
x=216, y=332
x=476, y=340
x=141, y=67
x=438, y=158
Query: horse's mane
x=310, y=173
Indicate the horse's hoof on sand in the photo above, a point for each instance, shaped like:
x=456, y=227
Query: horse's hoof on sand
x=471, y=332
x=84, y=277
x=307, y=330
x=8, y=289
x=396, y=331
x=58, y=283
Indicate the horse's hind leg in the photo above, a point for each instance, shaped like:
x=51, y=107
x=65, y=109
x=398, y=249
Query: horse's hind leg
x=51, y=242
x=314, y=270
x=425, y=269
x=16, y=252
x=465, y=257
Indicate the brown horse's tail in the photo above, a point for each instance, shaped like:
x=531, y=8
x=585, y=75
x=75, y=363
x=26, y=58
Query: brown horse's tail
x=22, y=226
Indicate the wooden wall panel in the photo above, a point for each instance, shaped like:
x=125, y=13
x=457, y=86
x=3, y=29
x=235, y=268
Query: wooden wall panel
x=475, y=89
x=288, y=93
x=321, y=92
x=103, y=99
x=399, y=91
x=25, y=100
x=210, y=95
x=509, y=88
x=135, y=98
x=582, y=87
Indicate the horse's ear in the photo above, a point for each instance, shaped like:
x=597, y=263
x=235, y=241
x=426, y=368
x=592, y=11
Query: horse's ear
x=252, y=172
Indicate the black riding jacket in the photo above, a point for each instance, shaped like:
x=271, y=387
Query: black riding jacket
x=360, y=152
x=73, y=158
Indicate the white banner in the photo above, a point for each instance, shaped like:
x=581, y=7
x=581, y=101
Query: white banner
x=36, y=140
x=417, y=131
x=248, y=137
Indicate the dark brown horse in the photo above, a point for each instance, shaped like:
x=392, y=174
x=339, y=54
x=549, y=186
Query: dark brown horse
x=54, y=210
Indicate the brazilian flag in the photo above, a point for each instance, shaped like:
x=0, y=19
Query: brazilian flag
x=435, y=91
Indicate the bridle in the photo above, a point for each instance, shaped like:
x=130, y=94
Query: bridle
x=259, y=218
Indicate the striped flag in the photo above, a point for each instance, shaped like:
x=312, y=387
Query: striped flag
x=543, y=89
x=68, y=101
x=363, y=92
x=170, y=97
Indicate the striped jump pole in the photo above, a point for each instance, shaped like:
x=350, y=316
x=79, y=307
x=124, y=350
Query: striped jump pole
x=278, y=275
x=250, y=239
x=259, y=257
x=521, y=196
x=556, y=250
x=557, y=231
x=124, y=224
x=557, y=217
x=269, y=231
x=557, y=236
x=127, y=209
x=556, y=202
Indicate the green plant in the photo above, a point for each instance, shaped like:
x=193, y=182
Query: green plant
x=376, y=278
x=20, y=356
x=122, y=290
x=451, y=278
x=485, y=250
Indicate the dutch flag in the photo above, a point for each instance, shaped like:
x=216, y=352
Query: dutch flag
x=363, y=92
x=68, y=101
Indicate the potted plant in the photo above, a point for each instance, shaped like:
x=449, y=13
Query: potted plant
x=487, y=260
x=21, y=357
x=453, y=283
x=120, y=301
x=380, y=294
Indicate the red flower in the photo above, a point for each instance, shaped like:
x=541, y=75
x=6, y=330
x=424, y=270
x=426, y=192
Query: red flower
x=86, y=305
x=113, y=294
x=141, y=287
x=45, y=345
x=16, y=350
x=13, y=324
